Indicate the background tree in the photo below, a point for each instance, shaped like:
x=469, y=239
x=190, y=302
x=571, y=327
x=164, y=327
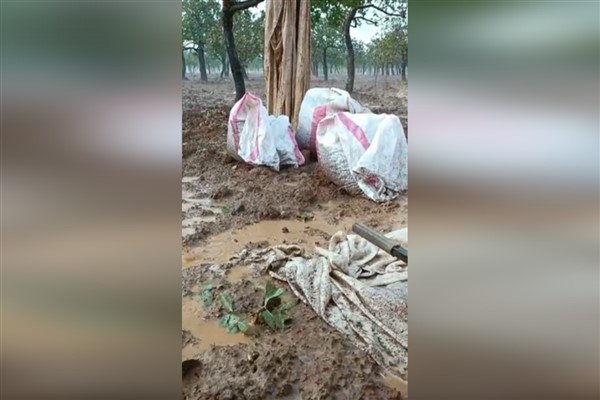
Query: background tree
x=360, y=55
x=325, y=36
x=191, y=61
x=199, y=18
x=230, y=8
x=216, y=47
x=249, y=32
x=353, y=13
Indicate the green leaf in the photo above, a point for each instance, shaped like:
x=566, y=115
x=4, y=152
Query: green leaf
x=271, y=292
x=210, y=286
x=285, y=307
x=232, y=329
x=206, y=296
x=224, y=320
x=226, y=301
x=242, y=326
x=279, y=319
x=269, y=319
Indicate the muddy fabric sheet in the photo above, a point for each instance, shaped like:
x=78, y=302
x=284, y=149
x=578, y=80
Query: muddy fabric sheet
x=355, y=287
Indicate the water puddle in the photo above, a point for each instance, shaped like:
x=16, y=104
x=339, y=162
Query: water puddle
x=222, y=247
x=238, y=273
x=208, y=332
x=396, y=383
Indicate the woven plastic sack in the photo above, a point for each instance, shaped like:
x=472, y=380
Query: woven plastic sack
x=317, y=104
x=364, y=153
x=256, y=138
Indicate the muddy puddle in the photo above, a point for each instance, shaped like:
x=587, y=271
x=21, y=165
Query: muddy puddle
x=220, y=248
x=204, y=332
x=396, y=383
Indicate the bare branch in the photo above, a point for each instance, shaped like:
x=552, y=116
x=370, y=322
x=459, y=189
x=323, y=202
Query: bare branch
x=235, y=7
x=369, y=21
x=402, y=13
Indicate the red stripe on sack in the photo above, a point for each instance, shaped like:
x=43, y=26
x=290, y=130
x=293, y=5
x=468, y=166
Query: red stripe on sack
x=254, y=154
x=318, y=114
x=299, y=157
x=234, y=119
x=356, y=130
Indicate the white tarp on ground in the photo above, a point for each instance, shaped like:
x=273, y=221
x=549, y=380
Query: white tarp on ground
x=257, y=138
x=317, y=104
x=356, y=288
x=365, y=153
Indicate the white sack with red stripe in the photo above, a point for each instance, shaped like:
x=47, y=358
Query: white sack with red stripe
x=365, y=153
x=317, y=104
x=257, y=138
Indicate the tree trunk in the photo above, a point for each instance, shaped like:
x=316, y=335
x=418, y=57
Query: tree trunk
x=287, y=58
x=325, y=63
x=202, y=63
x=234, y=61
x=387, y=69
x=183, y=67
x=245, y=73
x=349, y=51
x=223, y=67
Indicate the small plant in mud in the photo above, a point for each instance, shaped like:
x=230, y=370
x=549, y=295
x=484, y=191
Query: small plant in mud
x=273, y=311
x=206, y=295
x=232, y=322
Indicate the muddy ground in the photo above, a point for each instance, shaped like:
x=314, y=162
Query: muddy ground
x=228, y=207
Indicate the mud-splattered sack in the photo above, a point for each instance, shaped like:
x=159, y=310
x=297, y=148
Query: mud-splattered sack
x=317, y=104
x=256, y=138
x=364, y=153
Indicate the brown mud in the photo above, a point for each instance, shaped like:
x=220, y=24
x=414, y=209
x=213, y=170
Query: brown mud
x=228, y=207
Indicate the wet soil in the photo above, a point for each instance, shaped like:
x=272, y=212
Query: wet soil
x=229, y=207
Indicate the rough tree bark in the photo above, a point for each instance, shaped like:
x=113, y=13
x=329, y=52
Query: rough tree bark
x=230, y=7
x=287, y=56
